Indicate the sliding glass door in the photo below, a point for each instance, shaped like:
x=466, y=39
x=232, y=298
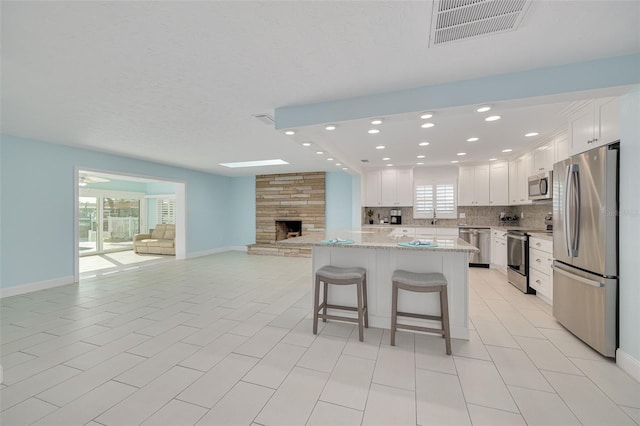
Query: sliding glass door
x=120, y=222
x=107, y=224
x=88, y=226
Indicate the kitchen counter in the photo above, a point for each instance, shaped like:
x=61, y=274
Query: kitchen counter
x=381, y=238
x=377, y=250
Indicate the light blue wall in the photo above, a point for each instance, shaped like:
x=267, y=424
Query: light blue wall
x=36, y=213
x=630, y=224
x=340, y=200
x=240, y=212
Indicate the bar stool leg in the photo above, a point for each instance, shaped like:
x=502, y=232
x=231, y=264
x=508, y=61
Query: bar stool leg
x=364, y=302
x=360, y=319
x=316, y=305
x=394, y=313
x=324, y=310
x=444, y=307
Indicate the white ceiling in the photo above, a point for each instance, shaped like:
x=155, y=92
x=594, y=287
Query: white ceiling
x=178, y=82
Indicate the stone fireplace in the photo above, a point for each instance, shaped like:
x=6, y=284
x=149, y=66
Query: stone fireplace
x=288, y=204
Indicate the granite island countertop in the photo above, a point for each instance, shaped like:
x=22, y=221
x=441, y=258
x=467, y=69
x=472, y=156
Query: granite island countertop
x=371, y=237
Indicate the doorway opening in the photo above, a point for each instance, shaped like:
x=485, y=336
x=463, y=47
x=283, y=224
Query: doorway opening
x=114, y=212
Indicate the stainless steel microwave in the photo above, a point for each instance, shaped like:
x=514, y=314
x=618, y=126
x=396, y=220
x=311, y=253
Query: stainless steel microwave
x=540, y=186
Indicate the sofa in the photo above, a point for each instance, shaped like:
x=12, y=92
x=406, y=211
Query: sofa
x=161, y=240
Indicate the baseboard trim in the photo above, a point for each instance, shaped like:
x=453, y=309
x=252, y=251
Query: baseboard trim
x=215, y=251
x=628, y=364
x=31, y=287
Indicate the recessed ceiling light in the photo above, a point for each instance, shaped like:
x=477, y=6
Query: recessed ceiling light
x=472, y=139
x=483, y=108
x=289, y=132
x=386, y=159
x=380, y=147
x=374, y=131
x=376, y=121
x=254, y=163
x=455, y=161
x=427, y=125
x=338, y=164
x=329, y=159
x=420, y=156
x=319, y=152
x=344, y=168
x=388, y=165
x=530, y=134
x=330, y=127
x=306, y=143
x=492, y=118
x=426, y=115
x=507, y=150
x=423, y=143
x=492, y=159
x=419, y=164
x=461, y=153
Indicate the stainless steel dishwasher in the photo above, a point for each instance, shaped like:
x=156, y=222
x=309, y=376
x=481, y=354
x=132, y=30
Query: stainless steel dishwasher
x=481, y=239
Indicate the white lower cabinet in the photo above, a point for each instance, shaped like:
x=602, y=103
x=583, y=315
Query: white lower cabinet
x=499, y=249
x=540, y=273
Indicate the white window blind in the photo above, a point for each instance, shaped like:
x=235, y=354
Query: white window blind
x=445, y=200
x=435, y=192
x=423, y=203
x=166, y=210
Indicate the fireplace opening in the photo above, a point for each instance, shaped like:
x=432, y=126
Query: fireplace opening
x=288, y=229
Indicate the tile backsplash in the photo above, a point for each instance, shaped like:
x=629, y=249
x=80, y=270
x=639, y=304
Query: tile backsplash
x=529, y=216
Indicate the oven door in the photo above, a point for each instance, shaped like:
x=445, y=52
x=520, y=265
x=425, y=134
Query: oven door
x=517, y=253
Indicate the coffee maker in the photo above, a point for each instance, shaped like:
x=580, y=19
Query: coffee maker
x=396, y=217
x=548, y=220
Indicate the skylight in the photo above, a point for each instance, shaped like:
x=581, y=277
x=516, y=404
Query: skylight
x=254, y=163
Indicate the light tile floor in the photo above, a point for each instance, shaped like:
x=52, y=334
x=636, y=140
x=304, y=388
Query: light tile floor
x=95, y=264
x=226, y=339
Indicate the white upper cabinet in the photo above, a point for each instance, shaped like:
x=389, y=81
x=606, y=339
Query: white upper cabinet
x=389, y=188
x=473, y=186
x=595, y=125
x=388, y=183
x=519, y=172
x=543, y=158
x=404, y=185
x=561, y=148
x=499, y=184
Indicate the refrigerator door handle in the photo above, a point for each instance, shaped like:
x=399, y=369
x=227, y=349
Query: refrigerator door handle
x=572, y=210
x=576, y=211
x=567, y=210
x=577, y=277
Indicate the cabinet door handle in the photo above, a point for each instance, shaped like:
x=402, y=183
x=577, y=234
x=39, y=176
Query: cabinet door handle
x=538, y=281
x=538, y=244
x=538, y=260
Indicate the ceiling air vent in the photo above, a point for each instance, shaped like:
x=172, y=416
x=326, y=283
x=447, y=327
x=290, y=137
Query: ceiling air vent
x=455, y=20
x=265, y=118
x=365, y=161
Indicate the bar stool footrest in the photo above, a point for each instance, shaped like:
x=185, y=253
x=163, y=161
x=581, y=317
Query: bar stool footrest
x=421, y=316
x=417, y=328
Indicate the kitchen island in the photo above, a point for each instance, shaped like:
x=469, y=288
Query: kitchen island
x=378, y=251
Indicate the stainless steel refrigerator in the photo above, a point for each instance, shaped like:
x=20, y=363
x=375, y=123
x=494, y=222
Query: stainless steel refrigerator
x=585, y=246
